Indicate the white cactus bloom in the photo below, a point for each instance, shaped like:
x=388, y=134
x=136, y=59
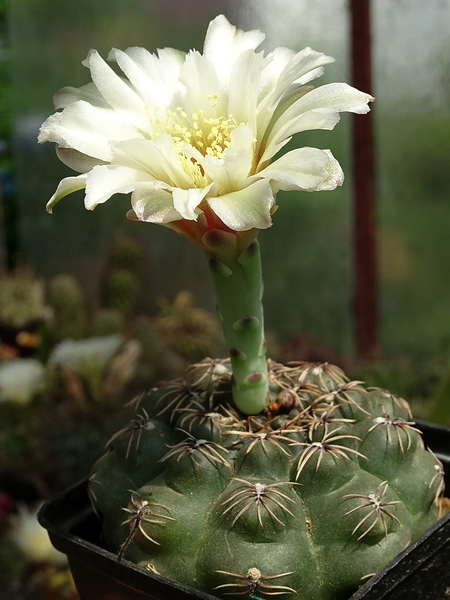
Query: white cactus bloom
x=195, y=137
x=32, y=539
x=20, y=380
x=86, y=355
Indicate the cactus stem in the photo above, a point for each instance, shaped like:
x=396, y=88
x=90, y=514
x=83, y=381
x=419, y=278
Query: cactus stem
x=439, y=475
x=237, y=280
x=377, y=509
x=400, y=402
x=142, y=512
x=398, y=424
x=207, y=448
x=325, y=445
x=319, y=370
x=271, y=436
x=255, y=583
x=197, y=413
x=135, y=429
x=258, y=494
x=322, y=418
x=184, y=393
x=93, y=496
x=213, y=370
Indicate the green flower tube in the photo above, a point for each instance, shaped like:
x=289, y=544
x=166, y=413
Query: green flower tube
x=239, y=288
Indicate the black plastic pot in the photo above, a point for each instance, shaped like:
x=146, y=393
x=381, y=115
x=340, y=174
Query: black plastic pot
x=421, y=572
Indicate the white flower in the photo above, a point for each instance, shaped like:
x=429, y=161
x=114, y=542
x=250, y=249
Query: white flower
x=192, y=136
x=32, y=539
x=20, y=380
x=88, y=355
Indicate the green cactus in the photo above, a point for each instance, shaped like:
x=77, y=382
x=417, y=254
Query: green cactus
x=305, y=500
x=190, y=331
x=68, y=304
x=127, y=253
x=124, y=273
x=21, y=299
x=108, y=321
x=122, y=291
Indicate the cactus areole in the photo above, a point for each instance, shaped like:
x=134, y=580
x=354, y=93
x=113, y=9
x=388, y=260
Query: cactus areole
x=247, y=477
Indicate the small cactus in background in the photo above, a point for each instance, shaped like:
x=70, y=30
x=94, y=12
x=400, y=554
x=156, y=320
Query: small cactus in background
x=127, y=253
x=68, y=305
x=122, y=288
x=108, y=321
x=124, y=274
x=21, y=299
x=23, y=313
x=158, y=361
x=306, y=499
x=190, y=331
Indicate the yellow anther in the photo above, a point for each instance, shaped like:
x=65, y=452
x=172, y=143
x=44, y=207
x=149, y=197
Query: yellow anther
x=210, y=136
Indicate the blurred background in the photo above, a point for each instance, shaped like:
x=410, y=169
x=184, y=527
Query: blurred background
x=94, y=308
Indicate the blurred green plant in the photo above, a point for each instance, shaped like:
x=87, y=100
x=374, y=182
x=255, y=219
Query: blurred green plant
x=124, y=271
x=191, y=332
x=69, y=318
x=439, y=402
x=22, y=299
x=5, y=80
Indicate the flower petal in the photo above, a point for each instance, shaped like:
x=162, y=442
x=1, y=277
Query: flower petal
x=201, y=82
x=318, y=109
x=286, y=72
x=224, y=42
x=308, y=169
x=154, y=77
x=77, y=161
x=65, y=187
x=243, y=86
x=88, y=93
x=153, y=204
x=303, y=68
x=113, y=88
x=158, y=158
x=246, y=209
x=86, y=128
x=104, y=181
x=186, y=202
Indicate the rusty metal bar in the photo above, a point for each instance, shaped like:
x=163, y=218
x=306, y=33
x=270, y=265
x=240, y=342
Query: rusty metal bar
x=364, y=216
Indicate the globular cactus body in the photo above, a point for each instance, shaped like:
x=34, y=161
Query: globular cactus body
x=305, y=500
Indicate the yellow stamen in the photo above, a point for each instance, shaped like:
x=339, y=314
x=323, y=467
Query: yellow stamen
x=209, y=135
